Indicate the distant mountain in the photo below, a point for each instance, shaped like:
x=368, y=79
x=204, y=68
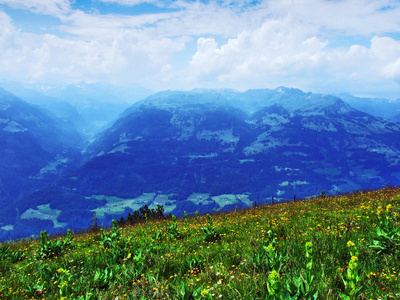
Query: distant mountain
x=35, y=148
x=378, y=107
x=88, y=107
x=98, y=103
x=200, y=141
x=60, y=110
x=211, y=150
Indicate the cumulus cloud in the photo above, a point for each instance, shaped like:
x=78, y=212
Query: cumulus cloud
x=234, y=43
x=127, y=54
x=276, y=48
x=381, y=59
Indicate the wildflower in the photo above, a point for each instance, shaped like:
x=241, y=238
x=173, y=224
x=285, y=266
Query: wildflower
x=379, y=210
x=274, y=282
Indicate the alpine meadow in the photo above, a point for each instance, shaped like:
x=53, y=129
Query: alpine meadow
x=343, y=247
x=200, y=149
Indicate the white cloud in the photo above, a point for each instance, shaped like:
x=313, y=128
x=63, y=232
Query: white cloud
x=57, y=8
x=129, y=2
x=342, y=17
x=381, y=60
x=276, y=48
x=303, y=43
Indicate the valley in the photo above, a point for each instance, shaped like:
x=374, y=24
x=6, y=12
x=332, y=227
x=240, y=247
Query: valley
x=204, y=150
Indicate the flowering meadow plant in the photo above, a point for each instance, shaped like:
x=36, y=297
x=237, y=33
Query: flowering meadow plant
x=342, y=247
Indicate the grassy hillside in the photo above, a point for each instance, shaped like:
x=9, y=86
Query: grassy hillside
x=345, y=247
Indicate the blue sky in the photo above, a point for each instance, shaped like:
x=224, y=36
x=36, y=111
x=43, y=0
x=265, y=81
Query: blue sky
x=316, y=45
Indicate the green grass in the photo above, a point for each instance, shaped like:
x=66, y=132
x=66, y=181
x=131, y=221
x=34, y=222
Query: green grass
x=116, y=205
x=197, y=198
x=44, y=212
x=224, y=200
x=345, y=247
x=165, y=201
x=7, y=227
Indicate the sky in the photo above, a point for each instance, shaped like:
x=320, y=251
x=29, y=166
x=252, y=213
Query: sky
x=324, y=46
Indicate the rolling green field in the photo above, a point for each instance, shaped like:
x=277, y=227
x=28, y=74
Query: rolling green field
x=344, y=247
x=117, y=205
x=114, y=206
x=44, y=212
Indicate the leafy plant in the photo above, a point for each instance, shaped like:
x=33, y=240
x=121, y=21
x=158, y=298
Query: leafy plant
x=210, y=234
x=185, y=220
x=353, y=278
x=194, y=263
x=102, y=278
x=116, y=247
x=34, y=290
x=4, y=252
x=187, y=294
x=172, y=229
x=304, y=283
x=138, y=264
x=17, y=256
x=45, y=272
x=65, y=284
x=273, y=259
x=48, y=248
x=108, y=240
x=387, y=232
x=285, y=251
x=276, y=287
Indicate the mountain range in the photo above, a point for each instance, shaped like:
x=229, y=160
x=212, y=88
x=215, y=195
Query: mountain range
x=205, y=150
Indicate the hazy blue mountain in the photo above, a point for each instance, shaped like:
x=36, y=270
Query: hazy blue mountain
x=88, y=107
x=181, y=142
x=378, y=107
x=98, y=103
x=35, y=148
x=215, y=150
x=58, y=109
